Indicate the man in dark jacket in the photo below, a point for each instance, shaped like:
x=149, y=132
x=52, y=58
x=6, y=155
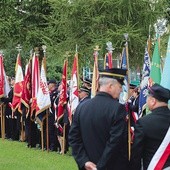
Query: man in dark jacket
x=54, y=95
x=151, y=130
x=98, y=132
x=84, y=94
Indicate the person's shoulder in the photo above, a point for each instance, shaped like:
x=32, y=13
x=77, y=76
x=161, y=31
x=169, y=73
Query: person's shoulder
x=146, y=120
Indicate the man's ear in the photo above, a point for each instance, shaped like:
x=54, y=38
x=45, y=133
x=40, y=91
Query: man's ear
x=153, y=101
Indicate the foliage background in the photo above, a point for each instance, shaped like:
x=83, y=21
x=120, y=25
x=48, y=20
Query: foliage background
x=60, y=25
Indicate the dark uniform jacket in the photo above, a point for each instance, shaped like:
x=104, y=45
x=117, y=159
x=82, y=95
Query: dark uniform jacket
x=8, y=111
x=149, y=134
x=98, y=133
x=134, y=105
x=82, y=101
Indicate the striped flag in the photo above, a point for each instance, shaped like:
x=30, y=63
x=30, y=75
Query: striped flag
x=162, y=154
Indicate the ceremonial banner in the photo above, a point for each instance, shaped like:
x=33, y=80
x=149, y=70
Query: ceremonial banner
x=108, y=57
x=43, y=95
x=124, y=94
x=144, y=83
x=162, y=154
x=26, y=92
x=4, y=84
x=165, y=80
x=35, y=81
x=108, y=61
x=95, y=77
x=74, y=98
x=155, y=73
x=18, y=86
x=63, y=93
x=1, y=77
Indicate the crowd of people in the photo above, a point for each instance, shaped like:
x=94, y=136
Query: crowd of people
x=98, y=134
x=15, y=121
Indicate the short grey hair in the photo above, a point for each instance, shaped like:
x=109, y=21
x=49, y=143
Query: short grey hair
x=105, y=80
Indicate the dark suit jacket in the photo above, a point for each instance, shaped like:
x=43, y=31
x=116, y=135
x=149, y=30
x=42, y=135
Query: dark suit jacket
x=98, y=133
x=149, y=134
x=8, y=110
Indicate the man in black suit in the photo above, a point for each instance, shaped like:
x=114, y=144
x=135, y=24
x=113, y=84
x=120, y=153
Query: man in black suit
x=10, y=123
x=54, y=96
x=150, y=130
x=84, y=94
x=98, y=132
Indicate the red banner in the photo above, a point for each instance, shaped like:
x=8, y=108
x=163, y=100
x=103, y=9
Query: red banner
x=1, y=77
x=18, y=86
x=63, y=93
x=35, y=81
x=26, y=92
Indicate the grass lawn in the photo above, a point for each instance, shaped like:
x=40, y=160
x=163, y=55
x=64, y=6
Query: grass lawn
x=16, y=156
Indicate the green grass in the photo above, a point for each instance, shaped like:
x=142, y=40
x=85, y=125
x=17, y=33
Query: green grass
x=16, y=156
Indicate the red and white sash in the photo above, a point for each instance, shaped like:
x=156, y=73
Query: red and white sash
x=161, y=154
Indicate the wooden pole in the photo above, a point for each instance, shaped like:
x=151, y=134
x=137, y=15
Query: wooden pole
x=3, y=121
x=77, y=58
x=63, y=141
x=22, y=131
x=42, y=135
x=47, y=134
x=127, y=58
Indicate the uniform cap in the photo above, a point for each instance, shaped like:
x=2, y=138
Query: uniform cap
x=160, y=93
x=52, y=81
x=87, y=80
x=132, y=86
x=115, y=73
x=85, y=89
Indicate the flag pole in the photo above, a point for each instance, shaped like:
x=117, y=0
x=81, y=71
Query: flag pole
x=42, y=134
x=95, y=76
x=77, y=67
x=127, y=57
x=19, y=48
x=2, y=114
x=64, y=128
x=47, y=134
x=47, y=110
x=2, y=121
x=149, y=41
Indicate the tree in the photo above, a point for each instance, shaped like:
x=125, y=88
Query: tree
x=91, y=22
x=60, y=25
